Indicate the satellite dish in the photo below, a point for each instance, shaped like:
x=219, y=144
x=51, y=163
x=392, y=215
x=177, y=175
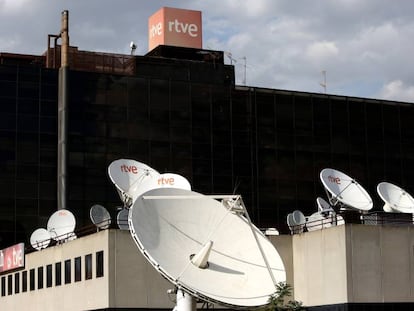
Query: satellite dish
x=61, y=225
x=345, y=191
x=169, y=180
x=100, y=217
x=204, y=249
x=122, y=219
x=323, y=206
x=396, y=199
x=296, y=221
x=298, y=218
x=131, y=178
x=40, y=239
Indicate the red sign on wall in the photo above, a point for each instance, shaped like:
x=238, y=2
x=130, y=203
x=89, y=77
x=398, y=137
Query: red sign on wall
x=12, y=257
x=177, y=27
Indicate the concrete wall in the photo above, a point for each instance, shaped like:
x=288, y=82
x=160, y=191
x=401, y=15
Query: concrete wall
x=319, y=260
x=354, y=264
x=134, y=283
x=381, y=267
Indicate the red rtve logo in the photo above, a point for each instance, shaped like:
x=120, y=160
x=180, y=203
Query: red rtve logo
x=129, y=169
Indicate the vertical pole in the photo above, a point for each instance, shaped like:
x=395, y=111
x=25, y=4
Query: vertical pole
x=63, y=114
x=185, y=302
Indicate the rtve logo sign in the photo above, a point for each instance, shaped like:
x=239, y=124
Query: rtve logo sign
x=177, y=27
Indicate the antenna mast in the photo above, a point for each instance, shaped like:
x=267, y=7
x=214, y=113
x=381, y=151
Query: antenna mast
x=323, y=84
x=245, y=69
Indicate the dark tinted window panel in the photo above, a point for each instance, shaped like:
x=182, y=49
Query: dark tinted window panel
x=68, y=271
x=3, y=286
x=99, y=264
x=88, y=267
x=58, y=274
x=10, y=284
x=40, y=278
x=17, y=283
x=78, y=269
x=32, y=279
x=49, y=276
x=24, y=281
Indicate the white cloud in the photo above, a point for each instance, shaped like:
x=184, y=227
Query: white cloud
x=320, y=52
x=12, y=6
x=397, y=90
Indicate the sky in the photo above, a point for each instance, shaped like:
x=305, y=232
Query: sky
x=360, y=48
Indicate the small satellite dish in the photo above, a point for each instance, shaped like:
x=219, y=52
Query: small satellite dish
x=345, y=191
x=169, y=180
x=396, y=199
x=298, y=218
x=131, y=178
x=122, y=219
x=296, y=221
x=323, y=206
x=100, y=217
x=205, y=249
x=40, y=239
x=61, y=225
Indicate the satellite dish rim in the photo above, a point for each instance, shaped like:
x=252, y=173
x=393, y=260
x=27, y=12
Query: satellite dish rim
x=384, y=190
x=341, y=196
x=105, y=221
x=64, y=221
x=190, y=280
x=122, y=222
x=40, y=239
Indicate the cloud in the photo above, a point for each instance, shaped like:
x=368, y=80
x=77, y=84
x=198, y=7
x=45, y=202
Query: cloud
x=397, y=90
x=320, y=52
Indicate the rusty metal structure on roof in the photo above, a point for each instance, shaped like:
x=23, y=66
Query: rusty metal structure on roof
x=92, y=61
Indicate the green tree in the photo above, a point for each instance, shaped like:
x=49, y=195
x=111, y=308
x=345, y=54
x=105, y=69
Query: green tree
x=277, y=301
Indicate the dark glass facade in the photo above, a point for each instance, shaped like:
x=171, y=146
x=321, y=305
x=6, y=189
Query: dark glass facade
x=187, y=117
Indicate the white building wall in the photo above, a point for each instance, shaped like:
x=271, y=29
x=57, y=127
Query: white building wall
x=128, y=280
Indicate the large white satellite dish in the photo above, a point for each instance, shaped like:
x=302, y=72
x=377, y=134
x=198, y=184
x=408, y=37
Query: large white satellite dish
x=204, y=248
x=100, y=216
x=345, y=191
x=396, y=199
x=61, y=225
x=40, y=239
x=131, y=178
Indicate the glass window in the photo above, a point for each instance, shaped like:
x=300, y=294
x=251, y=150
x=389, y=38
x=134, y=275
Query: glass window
x=32, y=279
x=88, y=267
x=58, y=273
x=40, y=278
x=24, y=281
x=17, y=283
x=99, y=264
x=49, y=276
x=9, y=284
x=3, y=286
x=67, y=271
x=78, y=269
